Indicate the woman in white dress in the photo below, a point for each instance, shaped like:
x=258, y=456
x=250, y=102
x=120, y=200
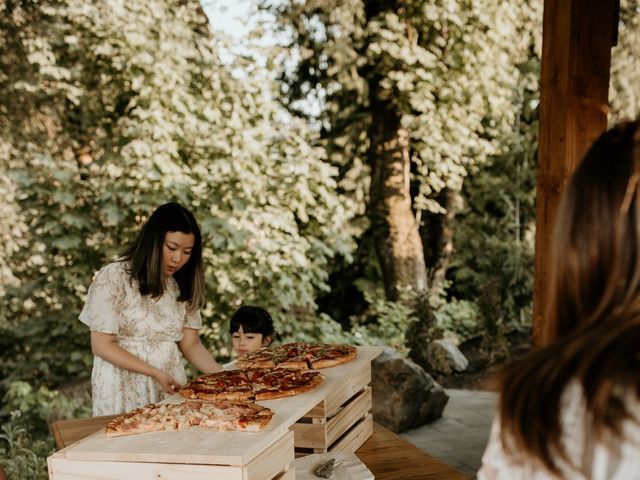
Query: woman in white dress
x=144, y=314
x=571, y=410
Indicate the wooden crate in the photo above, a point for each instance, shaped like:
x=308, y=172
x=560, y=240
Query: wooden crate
x=342, y=421
x=289, y=474
x=350, y=384
x=272, y=463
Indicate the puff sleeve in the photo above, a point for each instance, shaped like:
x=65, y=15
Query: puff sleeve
x=193, y=319
x=104, y=299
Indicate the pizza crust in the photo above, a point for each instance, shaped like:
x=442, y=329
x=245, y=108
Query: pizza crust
x=333, y=362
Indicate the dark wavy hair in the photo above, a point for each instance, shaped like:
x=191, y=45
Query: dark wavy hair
x=252, y=319
x=145, y=255
x=594, y=308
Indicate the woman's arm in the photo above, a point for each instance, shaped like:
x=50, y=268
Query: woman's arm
x=195, y=352
x=104, y=345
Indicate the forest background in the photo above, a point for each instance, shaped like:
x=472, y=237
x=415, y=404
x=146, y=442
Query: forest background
x=368, y=175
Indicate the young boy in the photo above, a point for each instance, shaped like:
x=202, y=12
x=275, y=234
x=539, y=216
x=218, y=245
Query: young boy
x=251, y=328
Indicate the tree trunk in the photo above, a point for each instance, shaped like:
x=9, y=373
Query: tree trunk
x=395, y=230
x=437, y=238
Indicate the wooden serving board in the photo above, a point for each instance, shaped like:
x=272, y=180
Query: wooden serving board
x=205, y=447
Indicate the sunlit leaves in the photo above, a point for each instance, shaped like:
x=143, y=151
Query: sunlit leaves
x=126, y=105
x=450, y=69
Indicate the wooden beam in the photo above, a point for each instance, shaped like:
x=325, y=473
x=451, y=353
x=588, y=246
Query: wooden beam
x=576, y=64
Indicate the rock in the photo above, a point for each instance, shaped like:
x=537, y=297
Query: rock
x=444, y=357
x=404, y=395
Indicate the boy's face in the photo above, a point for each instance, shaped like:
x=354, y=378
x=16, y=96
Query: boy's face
x=247, y=342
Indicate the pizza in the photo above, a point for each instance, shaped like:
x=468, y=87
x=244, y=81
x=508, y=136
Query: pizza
x=251, y=384
x=298, y=356
x=219, y=415
x=223, y=385
x=276, y=383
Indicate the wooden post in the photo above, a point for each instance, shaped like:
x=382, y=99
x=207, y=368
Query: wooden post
x=576, y=63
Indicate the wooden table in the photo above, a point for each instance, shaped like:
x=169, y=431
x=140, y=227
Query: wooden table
x=387, y=455
x=391, y=457
x=66, y=432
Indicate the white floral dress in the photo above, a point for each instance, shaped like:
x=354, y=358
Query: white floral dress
x=146, y=327
x=620, y=461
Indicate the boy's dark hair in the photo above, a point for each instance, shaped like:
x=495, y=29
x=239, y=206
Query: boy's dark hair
x=253, y=319
x=145, y=255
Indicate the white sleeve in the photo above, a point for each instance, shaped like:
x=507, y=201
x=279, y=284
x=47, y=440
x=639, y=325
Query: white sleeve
x=104, y=299
x=497, y=464
x=193, y=319
x=493, y=455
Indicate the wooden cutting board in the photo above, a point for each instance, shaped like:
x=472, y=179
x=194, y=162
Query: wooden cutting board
x=200, y=446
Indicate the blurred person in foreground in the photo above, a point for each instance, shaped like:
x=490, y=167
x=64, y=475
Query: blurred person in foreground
x=571, y=410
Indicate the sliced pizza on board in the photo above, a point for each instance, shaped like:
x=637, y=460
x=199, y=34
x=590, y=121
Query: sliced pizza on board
x=217, y=415
x=298, y=356
x=252, y=384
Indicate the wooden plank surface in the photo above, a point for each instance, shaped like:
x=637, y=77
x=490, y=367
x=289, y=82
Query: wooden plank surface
x=354, y=410
x=355, y=437
x=348, y=383
x=321, y=433
x=66, y=432
x=62, y=469
x=390, y=457
x=289, y=474
x=387, y=455
x=272, y=461
x=201, y=446
x=269, y=464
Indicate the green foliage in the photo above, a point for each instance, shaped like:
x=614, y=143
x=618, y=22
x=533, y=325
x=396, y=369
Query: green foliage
x=25, y=441
x=38, y=405
x=383, y=319
x=452, y=72
x=625, y=71
x=115, y=109
x=21, y=455
x=459, y=317
x=450, y=69
x=492, y=266
x=498, y=220
x=108, y=109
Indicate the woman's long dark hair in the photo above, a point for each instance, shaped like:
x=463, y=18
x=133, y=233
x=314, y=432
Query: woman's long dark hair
x=594, y=308
x=145, y=255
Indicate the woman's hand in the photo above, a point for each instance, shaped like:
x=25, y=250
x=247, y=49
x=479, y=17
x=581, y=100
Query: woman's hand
x=196, y=353
x=105, y=346
x=166, y=382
